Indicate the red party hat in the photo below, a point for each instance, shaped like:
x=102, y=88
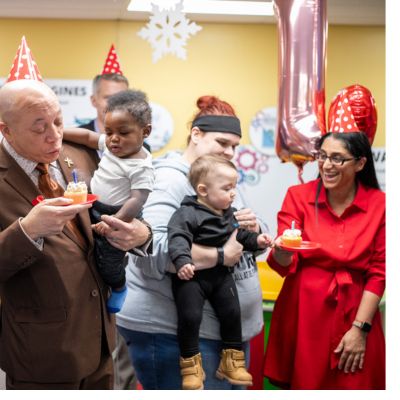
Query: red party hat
x=24, y=67
x=111, y=66
x=353, y=109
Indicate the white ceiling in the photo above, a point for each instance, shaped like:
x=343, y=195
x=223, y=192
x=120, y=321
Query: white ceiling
x=353, y=12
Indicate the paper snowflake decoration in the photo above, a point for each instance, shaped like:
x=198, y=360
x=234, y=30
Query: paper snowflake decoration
x=168, y=31
x=165, y=4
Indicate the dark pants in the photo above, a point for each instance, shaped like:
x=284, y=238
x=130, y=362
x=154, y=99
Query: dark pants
x=124, y=374
x=111, y=262
x=218, y=287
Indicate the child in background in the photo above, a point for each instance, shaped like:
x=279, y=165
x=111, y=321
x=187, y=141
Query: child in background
x=123, y=180
x=207, y=219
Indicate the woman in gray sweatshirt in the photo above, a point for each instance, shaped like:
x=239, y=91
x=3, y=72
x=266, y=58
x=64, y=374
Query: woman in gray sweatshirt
x=148, y=319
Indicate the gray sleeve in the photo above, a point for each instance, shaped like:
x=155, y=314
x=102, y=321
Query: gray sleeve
x=161, y=204
x=157, y=212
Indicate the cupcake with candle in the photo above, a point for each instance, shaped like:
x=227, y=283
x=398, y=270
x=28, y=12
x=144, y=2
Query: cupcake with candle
x=291, y=237
x=76, y=190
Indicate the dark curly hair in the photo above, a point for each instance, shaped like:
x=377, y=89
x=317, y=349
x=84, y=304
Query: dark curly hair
x=134, y=102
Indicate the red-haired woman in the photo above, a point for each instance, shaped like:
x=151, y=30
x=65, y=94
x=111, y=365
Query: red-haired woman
x=148, y=320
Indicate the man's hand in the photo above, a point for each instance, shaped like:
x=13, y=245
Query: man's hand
x=232, y=250
x=186, y=272
x=125, y=235
x=50, y=216
x=247, y=220
x=264, y=240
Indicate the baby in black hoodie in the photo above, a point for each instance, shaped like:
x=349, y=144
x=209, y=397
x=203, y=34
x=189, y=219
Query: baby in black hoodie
x=208, y=219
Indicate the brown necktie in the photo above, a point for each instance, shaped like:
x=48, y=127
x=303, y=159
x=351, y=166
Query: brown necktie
x=51, y=189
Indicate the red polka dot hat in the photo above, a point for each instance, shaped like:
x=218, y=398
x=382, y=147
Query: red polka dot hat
x=353, y=109
x=111, y=66
x=24, y=66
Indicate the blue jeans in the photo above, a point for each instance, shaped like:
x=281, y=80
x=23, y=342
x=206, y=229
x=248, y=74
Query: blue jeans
x=155, y=358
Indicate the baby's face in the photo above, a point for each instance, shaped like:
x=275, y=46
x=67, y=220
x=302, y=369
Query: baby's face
x=124, y=136
x=221, y=187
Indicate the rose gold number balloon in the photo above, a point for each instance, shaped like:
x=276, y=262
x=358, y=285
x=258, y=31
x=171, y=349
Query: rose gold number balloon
x=302, y=26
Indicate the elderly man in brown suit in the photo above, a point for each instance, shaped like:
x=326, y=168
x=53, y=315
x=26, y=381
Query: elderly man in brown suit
x=55, y=332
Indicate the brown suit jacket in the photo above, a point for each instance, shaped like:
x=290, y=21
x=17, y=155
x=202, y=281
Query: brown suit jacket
x=53, y=315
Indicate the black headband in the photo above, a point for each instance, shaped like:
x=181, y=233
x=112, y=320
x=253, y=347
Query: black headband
x=218, y=123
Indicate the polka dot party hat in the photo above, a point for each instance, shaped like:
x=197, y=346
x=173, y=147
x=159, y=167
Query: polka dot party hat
x=111, y=66
x=352, y=110
x=24, y=66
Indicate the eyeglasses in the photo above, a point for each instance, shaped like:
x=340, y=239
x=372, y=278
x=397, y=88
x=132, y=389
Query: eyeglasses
x=334, y=160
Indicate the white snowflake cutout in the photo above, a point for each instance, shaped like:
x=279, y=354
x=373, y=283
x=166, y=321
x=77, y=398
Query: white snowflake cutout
x=165, y=4
x=168, y=31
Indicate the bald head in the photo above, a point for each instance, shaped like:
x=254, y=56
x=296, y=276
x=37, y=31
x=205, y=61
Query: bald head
x=31, y=120
x=17, y=95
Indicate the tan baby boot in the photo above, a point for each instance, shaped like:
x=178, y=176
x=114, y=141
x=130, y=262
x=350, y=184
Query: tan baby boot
x=192, y=373
x=233, y=368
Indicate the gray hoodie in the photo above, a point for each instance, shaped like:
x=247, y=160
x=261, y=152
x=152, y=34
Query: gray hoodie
x=149, y=306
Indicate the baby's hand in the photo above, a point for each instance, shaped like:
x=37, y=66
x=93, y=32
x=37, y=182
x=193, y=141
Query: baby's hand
x=100, y=228
x=264, y=240
x=186, y=272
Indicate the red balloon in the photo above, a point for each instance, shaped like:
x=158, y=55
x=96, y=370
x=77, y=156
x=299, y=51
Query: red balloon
x=353, y=109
